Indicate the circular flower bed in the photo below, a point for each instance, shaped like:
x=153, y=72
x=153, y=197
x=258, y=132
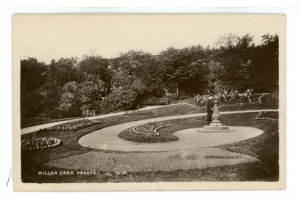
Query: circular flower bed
x=150, y=128
x=40, y=143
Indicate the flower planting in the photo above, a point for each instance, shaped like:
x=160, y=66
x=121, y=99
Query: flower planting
x=74, y=125
x=40, y=143
x=232, y=97
x=150, y=128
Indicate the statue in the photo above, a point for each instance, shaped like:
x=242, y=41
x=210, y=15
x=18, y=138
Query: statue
x=209, y=109
x=216, y=124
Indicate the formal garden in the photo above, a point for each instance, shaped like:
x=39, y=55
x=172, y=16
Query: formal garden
x=56, y=149
x=138, y=117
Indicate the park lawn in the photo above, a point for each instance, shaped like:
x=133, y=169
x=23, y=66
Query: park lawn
x=241, y=172
x=264, y=147
x=157, y=112
x=32, y=160
x=172, y=110
x=31, y=122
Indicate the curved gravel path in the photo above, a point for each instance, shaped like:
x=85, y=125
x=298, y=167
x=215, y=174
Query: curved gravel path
x=107, y=138
x=48, y=125
x=188, y=154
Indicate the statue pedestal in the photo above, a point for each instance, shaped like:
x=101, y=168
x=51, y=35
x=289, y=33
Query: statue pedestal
x=216, y=128
x=216, y=124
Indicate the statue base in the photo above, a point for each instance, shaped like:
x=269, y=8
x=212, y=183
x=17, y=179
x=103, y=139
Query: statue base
x=215, y=125
x=216, y=128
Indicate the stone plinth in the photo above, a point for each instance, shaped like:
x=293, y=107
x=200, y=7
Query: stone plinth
x=216, y=128
x=216, y=124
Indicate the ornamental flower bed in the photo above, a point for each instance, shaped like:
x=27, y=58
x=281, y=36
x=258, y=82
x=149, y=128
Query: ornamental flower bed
x=74, y=125
x=40, y=143
x=268, y=115
x=150, y=128
x=231, y=98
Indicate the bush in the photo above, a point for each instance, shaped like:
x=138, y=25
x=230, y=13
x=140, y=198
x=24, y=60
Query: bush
x=157, y=101
x=271, y=99
x=173, y=97
x=184, y=97
x=151, y=101
x=119, y=100
x=55, y=113
x=163, y=101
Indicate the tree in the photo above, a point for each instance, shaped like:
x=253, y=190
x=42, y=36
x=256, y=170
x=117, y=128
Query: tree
x=78, y=97
x=264, y=71
x=235, y=58
x=91, y=94
x=58, y=74
x=67, y=86
x=70, y=101
x=136, y=71
x=118, y=100
x=32, y=79
x=95, y=66
x=184, y=69
x=227, y=41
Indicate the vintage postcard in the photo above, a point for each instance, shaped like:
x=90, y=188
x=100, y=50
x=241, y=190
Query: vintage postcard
x=148, y=102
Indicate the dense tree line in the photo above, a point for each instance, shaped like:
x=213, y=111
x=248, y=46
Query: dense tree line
x=69, y=86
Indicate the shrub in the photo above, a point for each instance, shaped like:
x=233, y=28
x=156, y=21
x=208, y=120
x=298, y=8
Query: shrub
x=173, y=97
x=56, y=113
x=166, y=100
x=151, y=101
x=271, y=99
x=163, y=101
x=118, y=100
x=184, y=97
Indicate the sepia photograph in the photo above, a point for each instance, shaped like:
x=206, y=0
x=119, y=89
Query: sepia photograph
x=148, y=102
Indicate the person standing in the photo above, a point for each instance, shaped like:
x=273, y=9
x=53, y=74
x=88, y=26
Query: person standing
x=209, y=108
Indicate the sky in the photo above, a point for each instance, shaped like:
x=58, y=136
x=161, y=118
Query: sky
x=48, y=37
